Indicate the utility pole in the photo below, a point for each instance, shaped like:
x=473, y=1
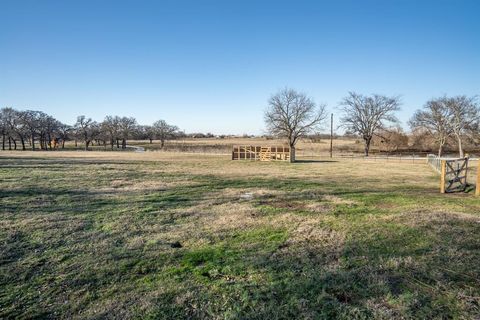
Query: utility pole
x=331, y=136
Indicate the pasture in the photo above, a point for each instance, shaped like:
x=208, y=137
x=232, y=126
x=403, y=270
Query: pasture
x=165, y=235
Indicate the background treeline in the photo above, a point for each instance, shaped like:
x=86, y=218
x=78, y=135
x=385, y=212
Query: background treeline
x=22, y=130
x=442, y=125
x=442, y=122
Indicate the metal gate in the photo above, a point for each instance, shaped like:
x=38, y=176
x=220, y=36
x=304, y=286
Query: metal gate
x=454, y=175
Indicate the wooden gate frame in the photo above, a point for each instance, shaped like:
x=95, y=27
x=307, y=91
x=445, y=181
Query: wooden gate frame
x=260, y=153
x=477, y=187
x=448, y=169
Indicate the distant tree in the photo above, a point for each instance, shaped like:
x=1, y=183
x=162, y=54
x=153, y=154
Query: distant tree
x=436, y=119
x=64, y=132
x=49, y=128
x=391, y=139
x=365, y=115
x=464, y=117
x=111, y=129
x=31, y=121
x=3, y=129
x=179, y=134
x=14, y=128
x=19, y=128
x=148, y=132
x=293, y=115
x=85, y=129
x=128, y=127
x=164, y=131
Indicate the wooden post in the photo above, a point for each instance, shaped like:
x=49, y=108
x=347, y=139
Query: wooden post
x=477, y=188
x=442, y=178
x=331, y=136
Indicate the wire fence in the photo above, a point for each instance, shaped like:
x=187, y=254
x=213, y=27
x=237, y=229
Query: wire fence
x=435, y=162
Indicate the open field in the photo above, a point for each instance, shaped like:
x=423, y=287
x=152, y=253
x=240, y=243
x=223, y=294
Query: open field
x=305, y=147
x=342, y=147
x=164, y=235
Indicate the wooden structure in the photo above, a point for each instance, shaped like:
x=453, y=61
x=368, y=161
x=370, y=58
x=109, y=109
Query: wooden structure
x=454, y=175
x=261, y=153
x=477, y=188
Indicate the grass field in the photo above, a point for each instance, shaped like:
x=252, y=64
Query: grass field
x=159, y=235
x=305, y=147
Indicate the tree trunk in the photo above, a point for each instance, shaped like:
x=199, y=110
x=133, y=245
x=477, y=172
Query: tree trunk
x=23, y=143
x=151, y=140
x=3, y=141
x=76, y=144
x=118, y=145
x=14, y=144
x=86, y=145
x=9, y=143
x=460, y=147
x=162, y=143
x=33, y=142
x=124, y=144
x=440, y=150
x=63, y=143
x=292, y=154
x=42, y=141
x=368, y=141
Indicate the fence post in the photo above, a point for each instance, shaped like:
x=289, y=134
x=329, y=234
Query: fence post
x=477, y=187
x=442, y=178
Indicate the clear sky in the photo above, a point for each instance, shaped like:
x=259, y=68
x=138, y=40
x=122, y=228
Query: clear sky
x=212, y=65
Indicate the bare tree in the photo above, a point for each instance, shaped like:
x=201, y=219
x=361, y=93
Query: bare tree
x=391, y=139
x=31, y=121
x=63, y=132
x=85, y=129
x=365, y=115
x=293, y=115
x=164, y=131
x=149, y=133
x=16, y=126
x=448, y=117
x=8, y=119
x=3, y=128
x=111, y=128
x=464, y=115
x=127, y=128
x=435, y=118
x=49, y=128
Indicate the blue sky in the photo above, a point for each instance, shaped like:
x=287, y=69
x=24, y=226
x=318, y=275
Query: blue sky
x=212, y=65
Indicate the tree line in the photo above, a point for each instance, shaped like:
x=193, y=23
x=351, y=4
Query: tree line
x=30, y=129
x=292, y=115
